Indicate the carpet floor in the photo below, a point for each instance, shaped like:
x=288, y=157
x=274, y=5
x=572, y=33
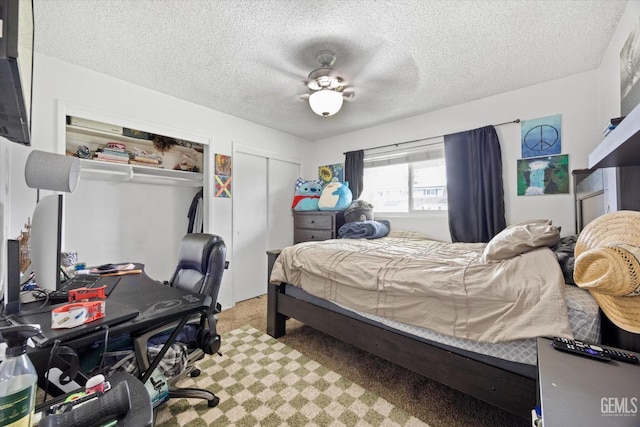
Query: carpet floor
x=429, y=402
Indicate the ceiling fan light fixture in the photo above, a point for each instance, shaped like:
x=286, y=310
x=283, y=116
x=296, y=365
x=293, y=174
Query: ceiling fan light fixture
x=325, y=102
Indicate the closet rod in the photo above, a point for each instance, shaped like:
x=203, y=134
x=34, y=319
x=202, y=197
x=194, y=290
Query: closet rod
x=429, y=137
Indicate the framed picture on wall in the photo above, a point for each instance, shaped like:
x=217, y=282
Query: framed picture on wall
x=222, y=185
x=543, y=175
x=630, y=72
x=542, y=136
x=330, y=173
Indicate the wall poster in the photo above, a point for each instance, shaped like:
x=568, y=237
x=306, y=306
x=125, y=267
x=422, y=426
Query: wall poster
x=330, y=173
x=222, y=176
x=543, y=175
x=541, y=137
x=630, y=72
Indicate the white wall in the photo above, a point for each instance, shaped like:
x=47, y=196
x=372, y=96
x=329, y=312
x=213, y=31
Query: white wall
x=586, y=102
x=58, y=82
x=575, y=98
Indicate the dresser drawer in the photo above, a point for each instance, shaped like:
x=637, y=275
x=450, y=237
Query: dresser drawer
x=316, y=225
x=321, y=222
x=309, y=235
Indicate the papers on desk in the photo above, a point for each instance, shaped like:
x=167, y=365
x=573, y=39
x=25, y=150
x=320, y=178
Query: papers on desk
x=121, y=273
x=116, y=268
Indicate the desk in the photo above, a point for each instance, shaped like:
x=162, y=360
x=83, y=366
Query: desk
x=157, y=304
x=579, y=391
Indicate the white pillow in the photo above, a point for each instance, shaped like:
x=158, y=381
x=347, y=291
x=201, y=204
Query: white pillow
x=520, y=238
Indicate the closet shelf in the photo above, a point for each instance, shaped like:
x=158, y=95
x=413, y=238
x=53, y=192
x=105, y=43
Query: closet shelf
x=102, y=136
x=98, y=136
x=105, y=171
x=621, y=147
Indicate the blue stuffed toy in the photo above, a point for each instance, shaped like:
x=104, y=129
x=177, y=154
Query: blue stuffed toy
x=336, y=196
x=306, y=195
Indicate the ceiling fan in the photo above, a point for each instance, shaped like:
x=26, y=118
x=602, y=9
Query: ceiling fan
x=327, y=86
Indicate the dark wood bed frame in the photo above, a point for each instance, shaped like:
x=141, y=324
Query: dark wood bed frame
x=507, y=390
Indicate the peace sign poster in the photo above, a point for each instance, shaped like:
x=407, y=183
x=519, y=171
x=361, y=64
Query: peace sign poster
x=541, y=137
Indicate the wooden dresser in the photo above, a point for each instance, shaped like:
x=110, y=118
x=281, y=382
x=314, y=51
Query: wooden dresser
x=316, y=225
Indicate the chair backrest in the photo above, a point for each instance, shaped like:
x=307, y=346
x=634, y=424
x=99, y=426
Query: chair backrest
x=201, y=263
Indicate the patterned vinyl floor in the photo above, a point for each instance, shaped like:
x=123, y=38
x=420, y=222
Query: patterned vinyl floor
x=262, y=382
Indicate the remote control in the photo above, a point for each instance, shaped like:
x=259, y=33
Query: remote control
x=622, y=356
x=583, y=349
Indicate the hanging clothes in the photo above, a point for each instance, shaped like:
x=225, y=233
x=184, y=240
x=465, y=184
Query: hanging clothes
x=196, y=223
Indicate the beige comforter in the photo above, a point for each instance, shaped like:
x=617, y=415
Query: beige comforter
x=436, y=285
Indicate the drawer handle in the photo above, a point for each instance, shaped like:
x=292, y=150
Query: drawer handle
x=313, y=222
x=313, y=237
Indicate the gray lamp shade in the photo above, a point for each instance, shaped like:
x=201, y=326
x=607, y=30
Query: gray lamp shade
x=50, y=171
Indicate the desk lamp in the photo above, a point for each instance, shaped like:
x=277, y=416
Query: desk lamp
x=50, y=171
x=47, y=171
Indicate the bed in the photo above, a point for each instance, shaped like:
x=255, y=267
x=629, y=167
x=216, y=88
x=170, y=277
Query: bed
x=365, y=293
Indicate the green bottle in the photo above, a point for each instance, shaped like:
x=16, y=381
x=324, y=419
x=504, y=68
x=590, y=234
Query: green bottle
x=18, y=378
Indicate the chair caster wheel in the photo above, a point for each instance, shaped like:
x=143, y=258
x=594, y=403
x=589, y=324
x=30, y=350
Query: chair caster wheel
x=195, y=373
x=214, y=402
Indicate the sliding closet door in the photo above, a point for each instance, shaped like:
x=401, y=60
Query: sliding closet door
x=282, y=179
x=262, y=220
x=250, y=225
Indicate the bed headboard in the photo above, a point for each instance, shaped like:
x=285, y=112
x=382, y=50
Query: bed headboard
x=596, y=193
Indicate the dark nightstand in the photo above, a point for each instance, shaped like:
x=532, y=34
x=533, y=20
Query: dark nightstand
x=316, y=225
x=580, y=391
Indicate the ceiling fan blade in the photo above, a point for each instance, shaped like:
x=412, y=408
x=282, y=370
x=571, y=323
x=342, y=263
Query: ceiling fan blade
x=284, y=70
x=348, y=93
x=304, y=96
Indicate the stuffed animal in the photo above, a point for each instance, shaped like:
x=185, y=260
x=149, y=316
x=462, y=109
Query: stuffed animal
x=306, y=195
x=336, y=196
x=358, y=210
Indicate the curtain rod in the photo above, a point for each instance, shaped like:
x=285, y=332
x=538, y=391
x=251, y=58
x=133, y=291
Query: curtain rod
x=430, y=137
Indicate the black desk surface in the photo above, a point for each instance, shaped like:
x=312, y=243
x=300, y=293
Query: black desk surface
x=156, y=304
x=115, y=313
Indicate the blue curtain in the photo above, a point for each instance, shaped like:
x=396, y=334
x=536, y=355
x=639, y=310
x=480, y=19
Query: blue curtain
x=474, y=185
x=354, y=171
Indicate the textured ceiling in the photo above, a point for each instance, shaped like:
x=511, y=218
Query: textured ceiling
x=248, y=58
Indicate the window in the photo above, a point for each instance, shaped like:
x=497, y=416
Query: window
x=407, y=180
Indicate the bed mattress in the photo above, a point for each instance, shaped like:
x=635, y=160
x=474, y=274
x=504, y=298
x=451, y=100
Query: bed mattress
x=582, y=309
x=441, y=286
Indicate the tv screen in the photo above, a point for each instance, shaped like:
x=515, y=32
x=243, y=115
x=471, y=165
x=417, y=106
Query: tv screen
x=46, y=242
x=16, y=67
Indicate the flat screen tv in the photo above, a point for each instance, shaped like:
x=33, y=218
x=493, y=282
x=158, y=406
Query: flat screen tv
x=46, y=242
x=16, y=67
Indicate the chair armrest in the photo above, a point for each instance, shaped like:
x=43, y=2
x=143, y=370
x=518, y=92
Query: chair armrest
x=140, y=343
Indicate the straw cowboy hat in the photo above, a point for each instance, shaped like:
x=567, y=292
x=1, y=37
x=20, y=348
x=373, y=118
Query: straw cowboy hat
x=607, y=264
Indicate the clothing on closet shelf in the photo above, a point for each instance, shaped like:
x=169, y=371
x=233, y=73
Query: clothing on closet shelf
x=195, y=214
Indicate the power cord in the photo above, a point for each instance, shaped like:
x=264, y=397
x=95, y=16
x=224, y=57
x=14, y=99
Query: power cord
x=106, y=347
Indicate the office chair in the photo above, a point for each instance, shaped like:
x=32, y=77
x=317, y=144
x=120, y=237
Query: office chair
x=201, y=263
